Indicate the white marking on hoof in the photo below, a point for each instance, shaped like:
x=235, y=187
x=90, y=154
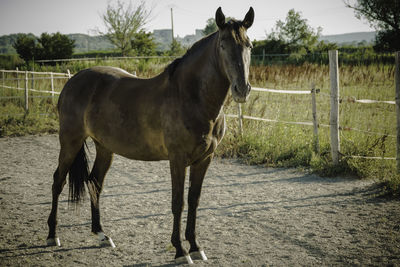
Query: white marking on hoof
x=183, y=260
x=53, y=242
x=105, y=241
x=198, y=255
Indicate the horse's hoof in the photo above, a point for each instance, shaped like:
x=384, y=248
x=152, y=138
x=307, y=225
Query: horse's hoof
x=198, y=255
x=183, y=260
x=53, y=242
x=105, y=241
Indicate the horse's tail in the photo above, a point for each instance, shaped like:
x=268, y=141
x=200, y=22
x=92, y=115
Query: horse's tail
x=78, y=176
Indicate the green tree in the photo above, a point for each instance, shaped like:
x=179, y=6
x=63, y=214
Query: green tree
x=176, y=49
x=384, y=16
x=48, y=46
x=269, y=46
x=143, y=44
x=211, y=26
x=122, y=22
x=25, y=46
x=296, y=33
x=54, y=46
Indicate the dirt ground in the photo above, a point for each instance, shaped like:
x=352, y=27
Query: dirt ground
x=248, y=215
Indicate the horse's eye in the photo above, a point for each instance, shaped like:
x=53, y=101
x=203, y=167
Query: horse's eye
x=222, y=47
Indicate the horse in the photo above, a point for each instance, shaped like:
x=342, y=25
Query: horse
x=175, y=116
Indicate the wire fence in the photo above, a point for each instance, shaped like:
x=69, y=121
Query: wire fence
x=23, y=87
x=334, y=125
x=26, y=85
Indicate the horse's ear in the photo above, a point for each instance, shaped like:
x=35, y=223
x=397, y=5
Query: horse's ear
x=220, y=18
x=248, y=19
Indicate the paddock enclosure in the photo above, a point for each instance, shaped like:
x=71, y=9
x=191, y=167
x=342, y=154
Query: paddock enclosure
x=248, y=215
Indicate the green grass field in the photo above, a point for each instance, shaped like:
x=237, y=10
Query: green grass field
x=373, y=126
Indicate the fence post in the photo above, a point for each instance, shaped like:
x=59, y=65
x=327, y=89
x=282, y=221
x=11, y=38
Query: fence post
x=397, y=81
x=334, y=116
x=17, y=77
x=3, y=78
x=315, y=118
x=52, y=86
x=33, y=81
x=263, y=57
x=69, y=74
x=26, y=92
x=240, y=117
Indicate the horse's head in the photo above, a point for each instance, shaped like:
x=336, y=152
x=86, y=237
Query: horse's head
x=234, y=49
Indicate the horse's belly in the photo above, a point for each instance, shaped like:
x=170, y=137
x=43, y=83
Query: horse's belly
x=135, y=147
x=132, y=141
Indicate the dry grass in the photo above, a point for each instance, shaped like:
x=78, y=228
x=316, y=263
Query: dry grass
x=273, y=144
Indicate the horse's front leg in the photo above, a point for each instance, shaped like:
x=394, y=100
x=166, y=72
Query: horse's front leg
x=197, y=173
x=178, y=173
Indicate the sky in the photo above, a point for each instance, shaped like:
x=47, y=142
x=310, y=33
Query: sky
x=84, y=16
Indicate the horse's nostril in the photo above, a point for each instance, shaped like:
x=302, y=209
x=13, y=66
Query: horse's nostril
x=235, y=88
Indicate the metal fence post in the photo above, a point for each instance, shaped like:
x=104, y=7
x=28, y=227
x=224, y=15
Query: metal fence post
x=334, y=115
x=240, y=117
x=397, y=87
x=17, y=77
x=3, y=79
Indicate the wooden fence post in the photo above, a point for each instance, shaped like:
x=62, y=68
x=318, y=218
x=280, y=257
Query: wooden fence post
x=334, y=115
x=52, y=86
x=69, y=74
x=26, y=92
x=315, y=118
x=397, y=87
x=240, y=117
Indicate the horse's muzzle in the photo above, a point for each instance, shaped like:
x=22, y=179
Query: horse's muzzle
x=240, y=95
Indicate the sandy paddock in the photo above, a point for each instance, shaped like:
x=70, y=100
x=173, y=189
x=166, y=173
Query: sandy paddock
x=248, y=215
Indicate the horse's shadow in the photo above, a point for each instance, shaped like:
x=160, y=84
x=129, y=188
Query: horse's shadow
x=44, y=249
x=152, y=265
x=21, y=251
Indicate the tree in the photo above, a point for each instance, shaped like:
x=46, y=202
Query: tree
x=48, y=46
x=54, y=46
x=296, y=33
x=387, y=41
x=176, y=49
x=25, y=46
x=384, y=16
x=143, y=44
x=122, y=22
x=211, y=26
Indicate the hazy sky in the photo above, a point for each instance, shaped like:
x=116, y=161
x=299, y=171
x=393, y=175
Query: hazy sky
x=82, y=16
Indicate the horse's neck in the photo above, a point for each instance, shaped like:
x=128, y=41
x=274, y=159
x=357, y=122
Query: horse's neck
x=211, y=84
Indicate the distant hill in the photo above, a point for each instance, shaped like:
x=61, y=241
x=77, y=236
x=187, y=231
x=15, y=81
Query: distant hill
x=87, y=43
x=83, y=43
x=350, y=38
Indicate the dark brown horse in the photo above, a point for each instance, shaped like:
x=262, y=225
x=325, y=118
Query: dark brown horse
x=175, y=116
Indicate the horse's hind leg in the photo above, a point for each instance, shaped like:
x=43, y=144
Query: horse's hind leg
x=101, y=165
x=68, y=152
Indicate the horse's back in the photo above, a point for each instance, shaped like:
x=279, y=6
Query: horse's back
x=116, y=109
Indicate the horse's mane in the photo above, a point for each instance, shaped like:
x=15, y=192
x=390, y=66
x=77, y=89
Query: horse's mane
x=171, y=68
